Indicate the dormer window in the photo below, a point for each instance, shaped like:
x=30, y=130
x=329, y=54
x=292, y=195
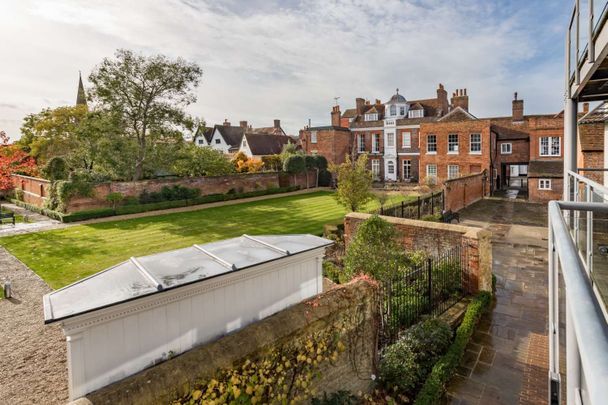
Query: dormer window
x=371, y=117
x=393, y=110
x=415, y=113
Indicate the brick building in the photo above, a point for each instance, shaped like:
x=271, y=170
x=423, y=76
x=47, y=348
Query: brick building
x=591, y=138
x=435, y=139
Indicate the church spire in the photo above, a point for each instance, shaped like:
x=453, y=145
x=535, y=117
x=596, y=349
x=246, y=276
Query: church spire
x=81, y=98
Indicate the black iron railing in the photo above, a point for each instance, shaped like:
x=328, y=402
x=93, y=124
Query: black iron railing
x=428, y=289
x=430, y=204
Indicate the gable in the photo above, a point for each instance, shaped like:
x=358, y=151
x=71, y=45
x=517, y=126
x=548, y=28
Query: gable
x=457, y=114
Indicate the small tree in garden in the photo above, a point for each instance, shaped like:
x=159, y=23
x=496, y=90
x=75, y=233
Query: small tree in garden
x=320, y=165
x=194, y=161
x=382, y=198
x=294, y=164
x=115, y=199
x=56, y=169
x=354, y=183
x=272, y=162
x=244, y=164
x=13, y=160
x=375, y=250
x=311, y=164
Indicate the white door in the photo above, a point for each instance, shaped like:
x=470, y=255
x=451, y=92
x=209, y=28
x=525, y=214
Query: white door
x=391, y=170
x=514, y=170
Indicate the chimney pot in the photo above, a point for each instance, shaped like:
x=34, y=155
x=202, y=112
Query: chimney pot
x=585, y=108
x=226, y=122
x=277, y=123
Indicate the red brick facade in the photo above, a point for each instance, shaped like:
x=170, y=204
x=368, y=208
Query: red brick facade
x=464, y=191
x=34, y=190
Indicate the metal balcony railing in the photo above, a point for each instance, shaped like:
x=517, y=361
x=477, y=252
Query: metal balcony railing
x=574, y=244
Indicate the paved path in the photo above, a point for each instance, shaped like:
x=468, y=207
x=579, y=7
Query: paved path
x=33, y=368
x=507, y=359
x=51, y=224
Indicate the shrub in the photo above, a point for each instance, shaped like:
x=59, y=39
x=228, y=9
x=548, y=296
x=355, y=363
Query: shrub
x=324, y=178
x=294, y=164
x=407, y=362
x=336, y=398
x=321, y=162
x=114, y=199
x=374, y=250
x=335, y=273
x=167, y=193
x=445, y=367
x=432, y=218
x=56, y=169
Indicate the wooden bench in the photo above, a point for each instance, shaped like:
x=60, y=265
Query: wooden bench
x=7, y=218
x=449, y=217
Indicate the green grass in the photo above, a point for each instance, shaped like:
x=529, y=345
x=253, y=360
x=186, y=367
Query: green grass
x=63, y=256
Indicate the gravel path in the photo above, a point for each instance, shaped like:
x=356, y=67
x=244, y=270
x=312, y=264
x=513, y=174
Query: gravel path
x=33, y=368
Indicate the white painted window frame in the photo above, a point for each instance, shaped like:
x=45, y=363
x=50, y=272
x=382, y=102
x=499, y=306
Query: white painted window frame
x=429, y=143
x=406, y=139
x=471, y=143
x=544, y=184
x=549, y=144
x=504, y=151
x=428, y=171
x=451, y=173
x=313, y=137
x=452, y=146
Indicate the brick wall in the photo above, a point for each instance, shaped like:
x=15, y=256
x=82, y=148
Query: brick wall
x=35, y=190
x=464, y=191
x=354, y=301
x=333, y=143
x=300, y=179
x=466, y=161
x=592, y=160
x=435, y=238
x=536, y=195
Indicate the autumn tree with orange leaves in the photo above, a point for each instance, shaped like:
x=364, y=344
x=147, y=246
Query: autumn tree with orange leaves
x=13, y=160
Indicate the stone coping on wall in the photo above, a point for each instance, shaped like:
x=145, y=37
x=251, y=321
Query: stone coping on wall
x=40, y=179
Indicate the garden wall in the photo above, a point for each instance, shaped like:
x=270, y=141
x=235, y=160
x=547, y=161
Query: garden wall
x=354, y=302
x=464, y=191
x=436, y=238
x=35, y=190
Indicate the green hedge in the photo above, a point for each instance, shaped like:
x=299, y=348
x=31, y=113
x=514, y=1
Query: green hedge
x=44, y=211
x=163, y=205
x=444, y=369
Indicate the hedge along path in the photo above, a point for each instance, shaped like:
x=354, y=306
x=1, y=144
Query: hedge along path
x=66, y=255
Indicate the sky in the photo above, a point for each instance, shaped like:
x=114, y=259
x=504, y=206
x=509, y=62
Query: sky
x=267, y=59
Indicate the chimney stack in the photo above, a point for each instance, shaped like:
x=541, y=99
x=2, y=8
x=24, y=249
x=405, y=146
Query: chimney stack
x=243, y=124
x=226, y=123
x=459, y=99
x=335, y=116
x=360, y=104
x=442, y=97
x=277, y=124
x=585, y=108
x=518, y=109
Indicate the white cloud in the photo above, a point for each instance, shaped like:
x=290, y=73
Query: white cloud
x=265, y=60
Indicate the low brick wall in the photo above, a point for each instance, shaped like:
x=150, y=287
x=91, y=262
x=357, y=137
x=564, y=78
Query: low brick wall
x=286, y=180
x=435, y=238
x=464, y=191
x=35, y=190
x=352, y=371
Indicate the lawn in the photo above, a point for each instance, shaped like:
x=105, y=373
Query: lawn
x=63, y=256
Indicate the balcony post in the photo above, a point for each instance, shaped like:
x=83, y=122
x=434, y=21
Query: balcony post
x=570, y=131
x=573, y=359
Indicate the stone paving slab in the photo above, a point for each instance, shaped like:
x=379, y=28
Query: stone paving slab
x=506, y=361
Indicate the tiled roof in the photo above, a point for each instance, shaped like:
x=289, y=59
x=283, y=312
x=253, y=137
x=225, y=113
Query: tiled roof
x=509, y=134
x=232, y=135
x=328, y=128
x=350, y=113
x=598, y=114
x=263, y=145
x=457, y=114
x=267, y=130
x=546, y=168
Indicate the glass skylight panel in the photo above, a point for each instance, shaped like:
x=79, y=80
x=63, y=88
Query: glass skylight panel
x=181, y=266
x=295, y=243
x=242, y=251
x=118, y=283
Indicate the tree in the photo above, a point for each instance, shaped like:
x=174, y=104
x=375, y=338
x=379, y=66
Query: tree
x=311, y=164
x=374, y=250
x=149, y=94
x=85, y=140
x=354, y=183
x=114, y=199
x=293, y=165
x=272, y=162
x=196, y=161
x=320, y=165
x=13, y=160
